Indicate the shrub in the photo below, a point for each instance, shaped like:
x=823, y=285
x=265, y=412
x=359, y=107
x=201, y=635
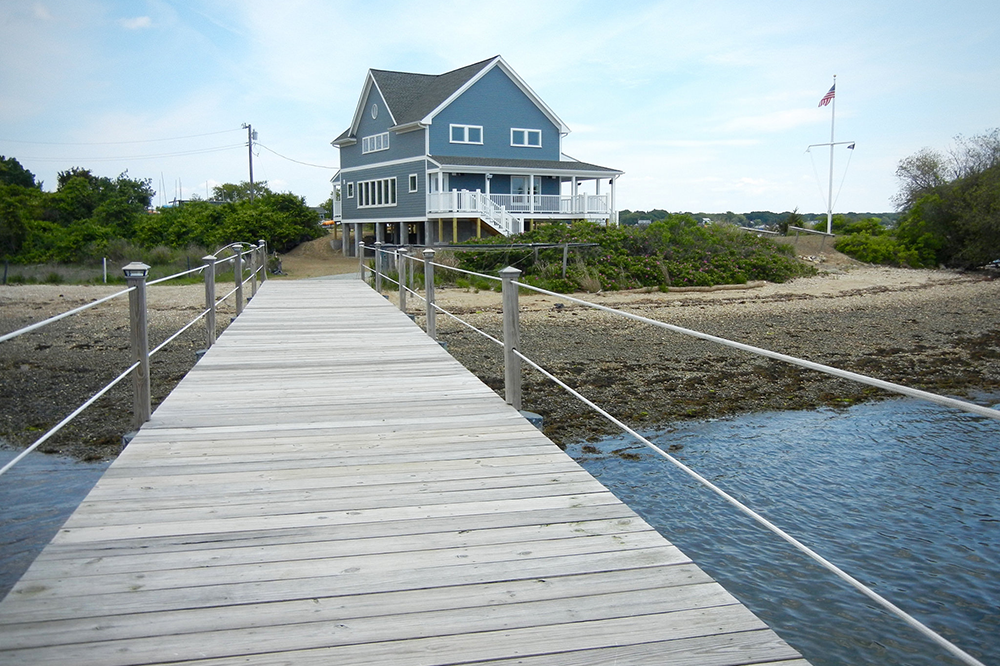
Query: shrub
x=676, y=251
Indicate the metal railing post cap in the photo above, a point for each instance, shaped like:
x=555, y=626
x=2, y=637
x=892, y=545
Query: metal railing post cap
x=510, y=272
x=209, y=258
x=428, y=253
x=136, y=269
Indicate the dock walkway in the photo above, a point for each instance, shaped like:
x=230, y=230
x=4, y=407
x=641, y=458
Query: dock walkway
x=329, y=486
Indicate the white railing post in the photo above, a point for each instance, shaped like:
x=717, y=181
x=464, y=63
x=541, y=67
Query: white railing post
x=238, y=276
x=361, y=260
x=401, y=274
x=429, y=292
x=511, y=334
x=135, y=277
x=378, y=266
x=263, y=260
x=210, y=299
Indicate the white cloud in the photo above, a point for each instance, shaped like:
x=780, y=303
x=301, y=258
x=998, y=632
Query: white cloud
x=137, y=23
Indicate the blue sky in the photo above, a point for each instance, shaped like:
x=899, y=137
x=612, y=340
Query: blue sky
x=706, y=106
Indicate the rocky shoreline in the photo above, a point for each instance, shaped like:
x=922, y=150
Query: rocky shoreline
x=47, y=373
x=934, y=330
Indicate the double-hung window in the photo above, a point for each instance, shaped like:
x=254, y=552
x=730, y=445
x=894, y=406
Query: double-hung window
x=530, y=138
x=375, y=143
x=377, y=193
x=466, y=133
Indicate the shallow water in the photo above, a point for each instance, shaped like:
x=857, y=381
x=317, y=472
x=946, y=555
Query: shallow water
x=903, y=495
x=37, y=495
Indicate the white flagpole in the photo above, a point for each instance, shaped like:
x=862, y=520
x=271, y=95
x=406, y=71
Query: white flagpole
x=833, y=119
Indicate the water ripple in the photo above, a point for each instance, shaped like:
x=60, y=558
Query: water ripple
x=901, y=494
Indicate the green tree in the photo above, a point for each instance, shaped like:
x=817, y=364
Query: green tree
x=13, y=230
x=12, y=173
x=232, y=192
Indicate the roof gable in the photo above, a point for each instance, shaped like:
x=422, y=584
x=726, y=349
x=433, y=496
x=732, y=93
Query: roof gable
x=417, y=98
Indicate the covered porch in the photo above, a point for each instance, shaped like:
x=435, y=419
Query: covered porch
x=506, y=193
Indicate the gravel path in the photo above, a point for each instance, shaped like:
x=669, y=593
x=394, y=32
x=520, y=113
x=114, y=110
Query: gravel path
x=935, y=330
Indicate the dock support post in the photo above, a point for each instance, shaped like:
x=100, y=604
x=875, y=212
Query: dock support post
x=511, y=334
x=263, y=260
x=209, y=299
x=238, y=276
x=429, y=292
x=401, y=274
x=361, y=260
x=135, y=277
x=378, y=266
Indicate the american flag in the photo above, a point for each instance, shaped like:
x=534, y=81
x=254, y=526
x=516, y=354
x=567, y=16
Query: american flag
x=827, y=98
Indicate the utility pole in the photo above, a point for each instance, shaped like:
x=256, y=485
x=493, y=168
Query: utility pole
x=251, y=135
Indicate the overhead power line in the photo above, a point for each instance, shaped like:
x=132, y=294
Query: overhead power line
x=117, y=143
x=197, y=151
x=318, y=166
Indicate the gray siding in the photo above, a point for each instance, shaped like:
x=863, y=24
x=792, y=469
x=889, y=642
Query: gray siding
x=407, y=204
x=497, y=104
x=401, y=146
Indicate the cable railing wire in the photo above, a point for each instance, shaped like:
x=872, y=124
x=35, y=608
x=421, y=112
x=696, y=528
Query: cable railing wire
x=767, y=524
x=55, y=429
x=178, y=333
x=76, y=412
x=68, y=313
x=923, y=629
x=836, y=372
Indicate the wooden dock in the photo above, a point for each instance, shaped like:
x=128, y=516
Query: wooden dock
x=329, y=486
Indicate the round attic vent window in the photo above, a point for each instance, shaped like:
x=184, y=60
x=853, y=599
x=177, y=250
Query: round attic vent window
x=374, y=111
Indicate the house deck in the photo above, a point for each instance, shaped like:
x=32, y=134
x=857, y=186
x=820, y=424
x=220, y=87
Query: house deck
x=329, y=486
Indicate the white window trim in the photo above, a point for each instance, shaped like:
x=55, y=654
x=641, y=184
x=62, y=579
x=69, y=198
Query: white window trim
x=527, y=135
x=375, y=143
x=350, y=190
x=377, y=193
x=465, y=132
x=414, y=183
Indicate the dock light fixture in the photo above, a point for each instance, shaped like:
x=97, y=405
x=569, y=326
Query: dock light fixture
x=136, y=269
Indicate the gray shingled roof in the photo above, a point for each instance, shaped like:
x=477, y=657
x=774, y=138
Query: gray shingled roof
x=489, y=162
x=411, y=97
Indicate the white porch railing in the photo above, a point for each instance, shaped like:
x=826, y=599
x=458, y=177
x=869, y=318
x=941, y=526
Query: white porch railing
x=554, y=204
x=338, y=210
x=463, y=202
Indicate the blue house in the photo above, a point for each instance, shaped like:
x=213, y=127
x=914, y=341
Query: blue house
x=465, y=154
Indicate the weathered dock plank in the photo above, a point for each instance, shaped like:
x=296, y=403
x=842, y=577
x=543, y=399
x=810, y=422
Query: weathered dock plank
x=328, y=485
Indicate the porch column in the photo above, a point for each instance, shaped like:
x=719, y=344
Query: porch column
x=428, y=233
x=612, y=211
x=344, y=233
x=531, y=193
x=380, y=232
x=358, y=232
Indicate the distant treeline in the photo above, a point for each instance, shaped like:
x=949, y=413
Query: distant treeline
x=761, y=218
x=90, y=216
